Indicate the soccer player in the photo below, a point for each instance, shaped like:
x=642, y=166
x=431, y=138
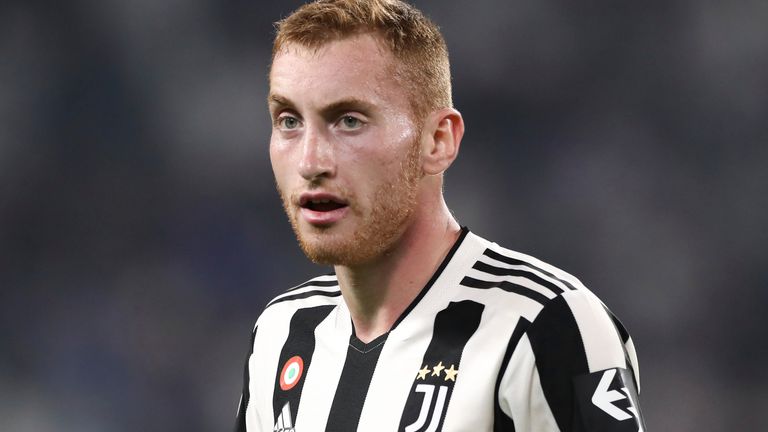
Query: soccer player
x=424, y=326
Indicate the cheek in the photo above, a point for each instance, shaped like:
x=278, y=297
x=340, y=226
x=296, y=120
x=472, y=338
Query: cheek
x=368, y=165
x=280, y=160
x=383, y=148
x=405, y=132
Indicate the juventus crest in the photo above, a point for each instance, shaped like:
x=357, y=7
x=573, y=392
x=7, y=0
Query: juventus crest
x=433, y=385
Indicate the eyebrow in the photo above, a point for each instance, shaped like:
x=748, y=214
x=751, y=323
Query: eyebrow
x=352, y=103
x=279, y=101
x=348, y=104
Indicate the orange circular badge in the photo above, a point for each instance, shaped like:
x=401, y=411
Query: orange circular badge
x=291, y=373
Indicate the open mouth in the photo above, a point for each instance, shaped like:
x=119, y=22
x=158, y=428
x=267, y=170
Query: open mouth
x=322, y=209
x=321, y=203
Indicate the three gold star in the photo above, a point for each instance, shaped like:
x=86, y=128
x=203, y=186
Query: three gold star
x=450, y=373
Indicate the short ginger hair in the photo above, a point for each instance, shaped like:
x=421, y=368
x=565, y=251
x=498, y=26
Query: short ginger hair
x=415, y=41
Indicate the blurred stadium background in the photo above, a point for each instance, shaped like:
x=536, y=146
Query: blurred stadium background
x=140, y=234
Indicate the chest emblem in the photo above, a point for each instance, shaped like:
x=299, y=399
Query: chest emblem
x=433, y=382
x=427, y=406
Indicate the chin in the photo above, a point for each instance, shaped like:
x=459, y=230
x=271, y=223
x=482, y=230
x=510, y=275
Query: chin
x=324, y=246
x=325, y=254
x=359, y=247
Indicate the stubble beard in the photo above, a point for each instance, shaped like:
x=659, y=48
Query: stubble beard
x=394, y=202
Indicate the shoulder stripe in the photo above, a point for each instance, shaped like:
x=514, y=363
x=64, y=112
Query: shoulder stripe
x=305, y=294
x=505, y=286
x=324, y=281
x=514, y=261
x=499, y=271
x=317, y=282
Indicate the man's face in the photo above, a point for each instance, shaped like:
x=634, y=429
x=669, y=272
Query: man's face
x=344, y=149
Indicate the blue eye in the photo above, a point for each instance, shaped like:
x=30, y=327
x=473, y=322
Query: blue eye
x=288, y=122
x=350, y=122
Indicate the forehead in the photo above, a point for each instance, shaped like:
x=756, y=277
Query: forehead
x=359, y=67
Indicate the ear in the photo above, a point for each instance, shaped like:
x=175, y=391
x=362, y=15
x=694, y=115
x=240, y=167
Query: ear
x=442, y=133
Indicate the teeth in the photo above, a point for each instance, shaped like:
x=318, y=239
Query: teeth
x=322, y=201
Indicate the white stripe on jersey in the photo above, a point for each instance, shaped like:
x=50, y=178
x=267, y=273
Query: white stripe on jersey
x=320, y=283
x=602, y=342
x=520, y=394
x=325, y=371
x=476, y=368
x=393, y=370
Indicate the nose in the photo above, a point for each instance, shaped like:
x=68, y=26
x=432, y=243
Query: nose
x=317, y=156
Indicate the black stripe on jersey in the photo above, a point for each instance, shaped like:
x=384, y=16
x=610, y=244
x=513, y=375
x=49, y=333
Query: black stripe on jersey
x=354, y=382
x=624, y=335
x=499, y=271
x=317, y=283
x=438, y=272
x=619, y=326
x=560, y=356
x=246, y=395
x=306, y=294
x=514, y=261
x=502, y=422
x=433, y=384
x=506, y=286
x=301, y=343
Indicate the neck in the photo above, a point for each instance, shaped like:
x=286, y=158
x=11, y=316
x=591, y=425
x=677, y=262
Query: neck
x=377, y=293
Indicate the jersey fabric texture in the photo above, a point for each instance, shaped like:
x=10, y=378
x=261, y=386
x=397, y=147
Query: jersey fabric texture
x=496, y=341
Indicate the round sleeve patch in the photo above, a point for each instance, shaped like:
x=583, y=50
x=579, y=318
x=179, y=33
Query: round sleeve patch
x=291, y=373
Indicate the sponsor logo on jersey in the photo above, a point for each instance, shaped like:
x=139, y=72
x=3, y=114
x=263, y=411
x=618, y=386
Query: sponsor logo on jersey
x=291, y=373
x=608, y=401
x=284, y=421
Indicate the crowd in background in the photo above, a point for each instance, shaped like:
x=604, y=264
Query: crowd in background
x=140, y=233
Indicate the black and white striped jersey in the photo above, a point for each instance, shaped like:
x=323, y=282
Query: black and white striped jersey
x=496, y=341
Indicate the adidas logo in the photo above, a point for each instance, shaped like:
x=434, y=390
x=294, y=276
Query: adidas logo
x=284, y=421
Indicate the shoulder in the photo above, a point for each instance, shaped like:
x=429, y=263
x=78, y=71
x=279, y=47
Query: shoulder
x=520, y=281
x=533, y=266
x=566, y=350
x=325, y=286
x=558, y=313
x=320, y=291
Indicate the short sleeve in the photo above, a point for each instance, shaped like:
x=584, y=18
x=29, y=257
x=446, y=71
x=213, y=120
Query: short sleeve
x=571, y=371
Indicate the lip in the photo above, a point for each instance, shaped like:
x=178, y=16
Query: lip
x=317, y=196
x=322, y=218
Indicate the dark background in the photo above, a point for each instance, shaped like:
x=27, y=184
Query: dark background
x=140, y=234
